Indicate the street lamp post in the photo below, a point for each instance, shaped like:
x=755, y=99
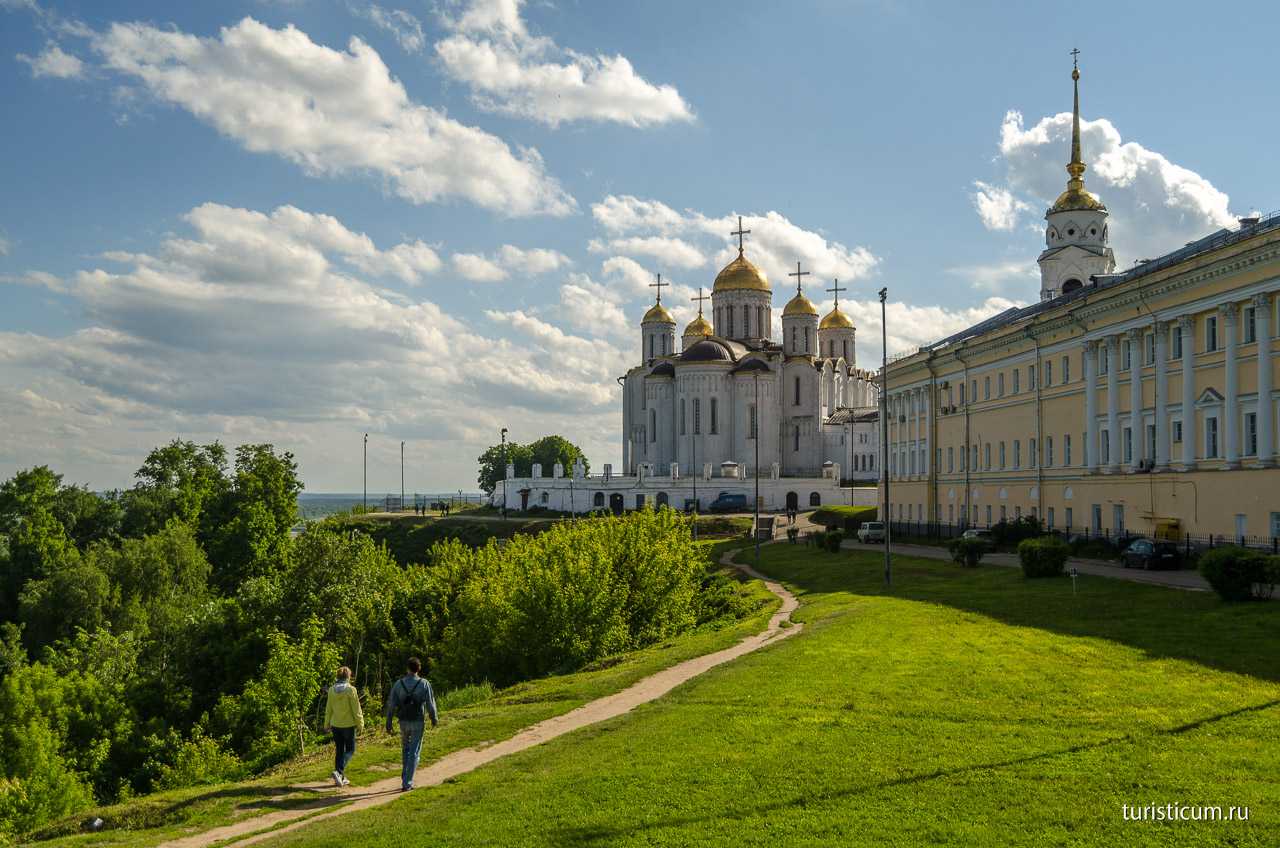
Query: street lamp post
x=756, y=435
x=504, y=473
x=693, y=471
x=402, y=476
x=364, y=503
x=884, y=433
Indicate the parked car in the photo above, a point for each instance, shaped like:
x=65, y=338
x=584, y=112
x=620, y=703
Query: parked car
x=871, y=531
x=727, y=502
x=1144, y=553
x=979, y=533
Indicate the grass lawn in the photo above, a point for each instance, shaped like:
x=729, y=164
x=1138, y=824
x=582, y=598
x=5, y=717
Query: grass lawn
x=965, y=707
x=155, y=818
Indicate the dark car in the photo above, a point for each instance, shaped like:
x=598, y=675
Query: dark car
x=1144, y=553
x=727, y=502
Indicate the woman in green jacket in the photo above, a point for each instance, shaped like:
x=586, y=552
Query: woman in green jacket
x=343, y=716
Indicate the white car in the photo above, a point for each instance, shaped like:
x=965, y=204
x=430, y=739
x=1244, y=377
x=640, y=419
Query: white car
x=871, y=531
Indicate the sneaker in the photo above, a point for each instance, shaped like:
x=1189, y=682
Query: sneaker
x=345, y=782
x=337, y=777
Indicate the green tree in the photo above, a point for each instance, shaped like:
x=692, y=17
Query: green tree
x=254, y=520
x=36, y=543
x=88, y=517
x=179, y=480
x=548, y=451
x=552, y=449
x=75, y=595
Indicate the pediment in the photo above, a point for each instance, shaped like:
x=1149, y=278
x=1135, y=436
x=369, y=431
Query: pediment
x=1208, y=397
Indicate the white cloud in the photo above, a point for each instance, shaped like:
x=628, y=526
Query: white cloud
x=627, y=214
x=54, y=62
x=252, y=326
x=516, y=73
x=674, y=252
x=1022, y=275
x=333, y=113
x=403, y=27
x=509, y=260
x=911, y=326
x=997, y=207
x=1155, y=205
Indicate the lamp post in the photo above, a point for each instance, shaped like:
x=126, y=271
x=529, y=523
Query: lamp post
x=364, y=502
x=402, y=476
x=884, y=433
x=693, y=470
x=504, y=473
x=755, y=375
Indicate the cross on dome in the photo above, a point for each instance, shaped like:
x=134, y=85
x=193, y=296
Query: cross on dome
x=739, y=233
x=700, y=298
x=658, y=285
x=836, y=289
x=798, y=274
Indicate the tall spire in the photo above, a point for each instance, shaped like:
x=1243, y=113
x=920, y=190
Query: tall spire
x=1076, y=167
x=1075, y=197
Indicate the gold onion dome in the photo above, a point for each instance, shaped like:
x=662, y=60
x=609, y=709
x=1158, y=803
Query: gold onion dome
x=1075, y=197
x=699, y=327
x=741, y=275
x=800, y=305
x=836, y=320
x=657, y=314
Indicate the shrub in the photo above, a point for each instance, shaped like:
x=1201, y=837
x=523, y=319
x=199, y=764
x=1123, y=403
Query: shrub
x=1233, y=571
x=818, y=538
x=1007, y=532
x=832, y=540
x=1043, y=557
x=843, y=516
x=967, y=552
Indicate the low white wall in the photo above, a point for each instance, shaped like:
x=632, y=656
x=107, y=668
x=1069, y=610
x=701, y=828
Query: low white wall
x=581, y=497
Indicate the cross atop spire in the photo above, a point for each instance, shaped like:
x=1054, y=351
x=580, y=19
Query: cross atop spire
x=798, y=274
x=1076, y=167
x=700, y=298
x=739, y=233
x=658, y=285
x=836, y=289
x=1075, y=61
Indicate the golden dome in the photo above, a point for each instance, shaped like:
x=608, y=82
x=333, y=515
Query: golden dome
x=800, y=305
x=698, y=327
x=657, y=314
x=836, y=320
x=740, y=275
x=1076, y=198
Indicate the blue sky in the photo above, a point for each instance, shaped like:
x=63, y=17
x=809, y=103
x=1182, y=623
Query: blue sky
x=298, y=221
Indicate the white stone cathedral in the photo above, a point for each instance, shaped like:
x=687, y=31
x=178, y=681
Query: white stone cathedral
x=734, y=410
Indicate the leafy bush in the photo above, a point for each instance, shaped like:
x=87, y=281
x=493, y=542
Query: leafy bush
x=1233, y=571
x=967, y=552
x=1094, y=548
x=1008, y=533
x=843, y=516
x=200, y=761
x=1043, y=557
x=832, y=540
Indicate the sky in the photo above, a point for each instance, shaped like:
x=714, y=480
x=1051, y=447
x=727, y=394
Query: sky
x=298, y=222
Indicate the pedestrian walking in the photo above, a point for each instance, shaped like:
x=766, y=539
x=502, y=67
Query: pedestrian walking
x=410, y=702
x=344, y=719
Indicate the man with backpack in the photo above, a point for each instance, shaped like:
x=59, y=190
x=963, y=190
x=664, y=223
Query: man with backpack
x=411, y=697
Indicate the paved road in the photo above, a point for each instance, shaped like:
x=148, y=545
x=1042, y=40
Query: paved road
x=1185, y=579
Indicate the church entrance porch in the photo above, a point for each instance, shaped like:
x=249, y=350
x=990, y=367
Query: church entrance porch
x=616, y=503
x=793, y=501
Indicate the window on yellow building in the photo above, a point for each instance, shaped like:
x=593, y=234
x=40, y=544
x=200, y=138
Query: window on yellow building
x=1048, y=452
x=986, y=388
x=1211, y=437
x=1066, y=450
x=1016, y=372
x=1048, y=372
x=1002, y=456
x=1000, y=390
x=1250, y=325
x=1066, y=370
x=1211, y=334
x=1175, y=342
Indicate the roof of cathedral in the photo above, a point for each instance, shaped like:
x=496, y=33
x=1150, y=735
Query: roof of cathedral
x=663, y=369
x=699, y=327
x=752, y=364
x=854, y=415
x=708, y=350
x=740, y=275
x=836, y=320
x=657, y=314
x=1075, y=197
x=800, y=305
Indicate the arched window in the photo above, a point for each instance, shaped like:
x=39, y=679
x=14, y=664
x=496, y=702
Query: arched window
x=1071, y=285
x=653, y=425
x=664, y=344
x=546, y=496
x=751, y=421
x=697, y=416
x=844, y=349
x=797, y=403
x=796, y=438
x=815, y=499
x=713, y=416
x=682, y=431
x=746, y=320
x=793, y=339
x=728, y=310
x=651, y=347
x=806, y=339
x=598, y=500
x=661, y=500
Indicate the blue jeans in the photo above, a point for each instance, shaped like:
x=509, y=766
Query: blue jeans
x=344, y=747
x=410, y=749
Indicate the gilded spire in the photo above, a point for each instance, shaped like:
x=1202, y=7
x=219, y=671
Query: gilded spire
x=1075, y=197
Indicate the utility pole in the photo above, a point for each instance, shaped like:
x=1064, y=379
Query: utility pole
x=365, y=501
x=884, y=433
x=504, y=473
x=402, y=476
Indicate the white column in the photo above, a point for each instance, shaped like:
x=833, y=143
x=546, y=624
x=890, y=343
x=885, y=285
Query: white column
x=925, y=401
x=1262, y=331
x=1162, y=395
x=1231, y=405
x=1187, y=327
x=1137, y=428
x=913, y=406
x=1091, y=406
x=1113, y=402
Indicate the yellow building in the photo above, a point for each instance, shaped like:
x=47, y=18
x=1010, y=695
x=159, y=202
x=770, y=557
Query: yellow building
x=1140, y=402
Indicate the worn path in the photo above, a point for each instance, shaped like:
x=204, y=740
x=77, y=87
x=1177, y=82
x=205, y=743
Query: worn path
x=259, y=828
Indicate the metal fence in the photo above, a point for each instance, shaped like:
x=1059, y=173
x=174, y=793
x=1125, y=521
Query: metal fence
x=933, y=531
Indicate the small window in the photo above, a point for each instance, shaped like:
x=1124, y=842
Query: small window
x=1016, y=387
x=1211, y=437
x=1000, y=381
x=815, y=499
x=1250, y=325
x=986, y=388
x=1066, y=450
x=1048, y=372
x=1176, y=431
x=1210, y=334
x=1066, y=369
x=1175, y=342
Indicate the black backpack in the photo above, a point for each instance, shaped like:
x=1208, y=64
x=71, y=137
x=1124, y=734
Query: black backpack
x=409, y=709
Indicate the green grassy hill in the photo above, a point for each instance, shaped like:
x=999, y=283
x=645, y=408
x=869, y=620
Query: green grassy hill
x=964, y=708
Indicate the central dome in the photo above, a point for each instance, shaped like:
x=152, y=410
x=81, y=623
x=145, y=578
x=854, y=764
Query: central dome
x=836, y=320
x=741, y=275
